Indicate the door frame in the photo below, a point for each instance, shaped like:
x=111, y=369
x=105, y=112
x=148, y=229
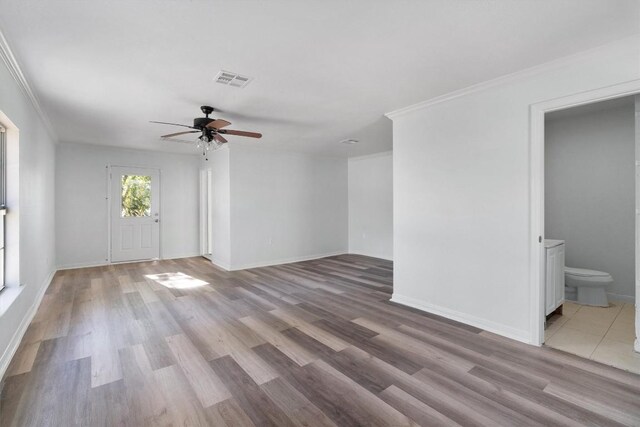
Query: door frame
x=109, y=207
x=536, y=192
x=206, y=201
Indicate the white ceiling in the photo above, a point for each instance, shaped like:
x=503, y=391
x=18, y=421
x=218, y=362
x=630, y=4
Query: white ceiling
x=324, y=70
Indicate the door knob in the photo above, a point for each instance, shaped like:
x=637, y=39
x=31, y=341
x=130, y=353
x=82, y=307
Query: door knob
x=157, y=220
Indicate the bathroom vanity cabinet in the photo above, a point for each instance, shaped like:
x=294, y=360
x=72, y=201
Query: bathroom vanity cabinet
x=554, y=275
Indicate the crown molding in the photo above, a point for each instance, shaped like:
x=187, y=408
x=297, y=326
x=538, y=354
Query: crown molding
x=16, y=72
x=628, y=42
x=371, y=156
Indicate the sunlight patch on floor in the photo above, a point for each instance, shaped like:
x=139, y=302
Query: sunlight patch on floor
x=176, y=280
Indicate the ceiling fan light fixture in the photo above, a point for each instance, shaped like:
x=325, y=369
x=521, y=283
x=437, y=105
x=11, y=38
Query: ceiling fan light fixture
x=210, y=130
x=349, y=141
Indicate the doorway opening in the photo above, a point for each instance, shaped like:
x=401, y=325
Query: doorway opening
x=585, y=178
x=206, y=200
x=10, y=212
x=134, y=213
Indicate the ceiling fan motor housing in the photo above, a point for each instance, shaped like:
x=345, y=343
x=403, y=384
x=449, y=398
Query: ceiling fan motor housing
x=201, y=122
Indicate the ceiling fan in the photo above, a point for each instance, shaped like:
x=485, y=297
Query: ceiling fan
x=210, y=130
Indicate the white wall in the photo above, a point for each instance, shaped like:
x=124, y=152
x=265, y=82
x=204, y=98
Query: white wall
x=36, y=217
x=590, y=192
x=461, y=191
x=221, y=206
x=286, y=206
x=371, y=205
x=81, y=205
x=636, y=344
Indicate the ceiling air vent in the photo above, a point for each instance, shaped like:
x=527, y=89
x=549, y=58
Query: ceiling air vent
x=232, y=79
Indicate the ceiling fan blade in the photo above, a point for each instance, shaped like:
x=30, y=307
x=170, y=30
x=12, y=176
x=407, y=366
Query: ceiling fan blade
x=173, y=124
x=218, y=124
x=242, y=133
x=179, y=133
x=219, y=138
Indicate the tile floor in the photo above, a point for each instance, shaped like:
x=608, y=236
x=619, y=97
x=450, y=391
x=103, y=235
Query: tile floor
x=605, y=335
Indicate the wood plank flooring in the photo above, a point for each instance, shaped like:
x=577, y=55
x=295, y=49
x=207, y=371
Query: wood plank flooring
x=315, y=343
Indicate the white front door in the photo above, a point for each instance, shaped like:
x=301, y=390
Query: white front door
x=135, y=213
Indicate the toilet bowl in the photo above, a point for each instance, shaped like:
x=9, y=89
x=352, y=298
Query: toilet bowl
x=590, y=286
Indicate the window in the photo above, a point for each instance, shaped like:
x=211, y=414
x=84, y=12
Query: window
x=3, y=199
x=136, y=196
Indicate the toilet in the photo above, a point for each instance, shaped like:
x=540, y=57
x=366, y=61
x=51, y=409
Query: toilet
x=588, y=287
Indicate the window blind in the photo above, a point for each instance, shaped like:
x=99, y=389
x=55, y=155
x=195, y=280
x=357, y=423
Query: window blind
x=3, y=201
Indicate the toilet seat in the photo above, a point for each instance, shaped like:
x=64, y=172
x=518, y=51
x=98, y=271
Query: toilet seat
x=583, y=272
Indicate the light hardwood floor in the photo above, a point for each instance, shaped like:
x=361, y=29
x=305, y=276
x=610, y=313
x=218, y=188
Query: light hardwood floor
x=315, y=343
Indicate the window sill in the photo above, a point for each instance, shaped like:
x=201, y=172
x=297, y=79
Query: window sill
x=8, y=296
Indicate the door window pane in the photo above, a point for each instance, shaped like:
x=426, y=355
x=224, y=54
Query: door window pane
x=136, y=196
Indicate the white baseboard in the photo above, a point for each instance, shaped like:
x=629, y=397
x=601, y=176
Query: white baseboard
x=11, y=349
x=487, y=325
x=220, y=264
x=216, y=262
x=82, y=265
x=103, y=263
x=384, y=257
x=621, y=298
x=285, y=261
x=190, y=255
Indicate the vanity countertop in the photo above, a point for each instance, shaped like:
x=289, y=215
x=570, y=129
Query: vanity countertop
x=550, y=243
